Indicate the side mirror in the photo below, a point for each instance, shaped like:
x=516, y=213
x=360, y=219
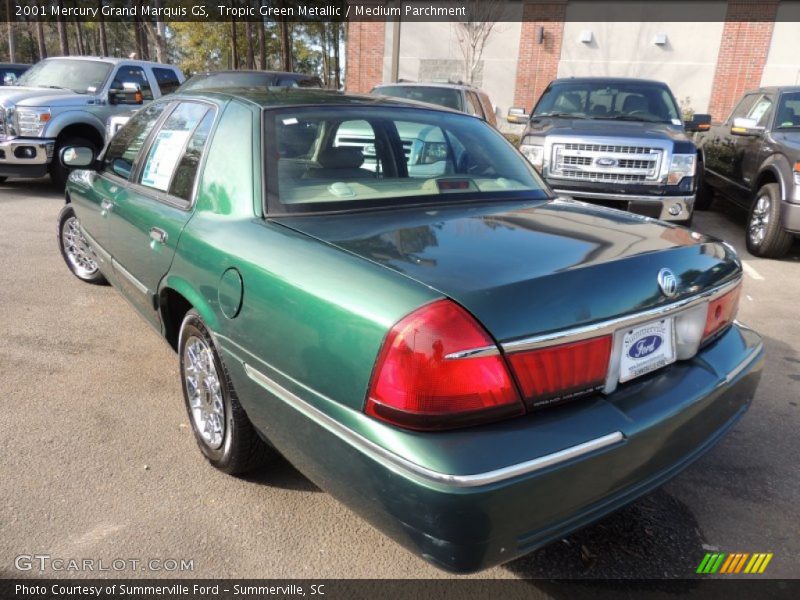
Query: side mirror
x=743, y=126
x=517, y=114
x=698, y=123
x=10, y=79
x=77, y=157
x=130, y=93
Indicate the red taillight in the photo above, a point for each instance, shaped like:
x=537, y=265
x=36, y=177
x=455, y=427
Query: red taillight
x=416, y=385
x=722, y=312
x=559, y=372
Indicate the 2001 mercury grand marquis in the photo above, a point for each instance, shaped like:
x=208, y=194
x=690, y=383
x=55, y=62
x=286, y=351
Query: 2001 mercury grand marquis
x=409, y=315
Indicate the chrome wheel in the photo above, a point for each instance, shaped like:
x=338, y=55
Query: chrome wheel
x=77, y=250
x=204, y=391
x=759, y=220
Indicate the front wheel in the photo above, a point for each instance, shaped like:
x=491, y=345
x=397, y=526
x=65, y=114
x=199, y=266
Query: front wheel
x=221, y=428
x=766, y=236
x=75, y=249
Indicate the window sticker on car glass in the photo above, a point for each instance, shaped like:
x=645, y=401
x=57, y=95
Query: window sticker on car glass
x=163, y=158
x=290, y=121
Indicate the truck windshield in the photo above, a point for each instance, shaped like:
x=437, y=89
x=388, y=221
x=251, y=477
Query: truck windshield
x=441, y=96
x=788, y=116
x=623, y=101
x=81, y=76
x=340, y=158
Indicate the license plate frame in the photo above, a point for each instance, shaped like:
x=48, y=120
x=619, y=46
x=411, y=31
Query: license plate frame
x=647, y=347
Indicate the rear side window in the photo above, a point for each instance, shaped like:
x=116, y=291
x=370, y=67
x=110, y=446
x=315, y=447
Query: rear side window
x=167, y=80
x=124, y=148
x=449, y=97
x=130, y=74
x=186, y=173
x=170, y=143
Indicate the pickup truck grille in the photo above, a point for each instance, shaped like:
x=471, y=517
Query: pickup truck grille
x=605, y=162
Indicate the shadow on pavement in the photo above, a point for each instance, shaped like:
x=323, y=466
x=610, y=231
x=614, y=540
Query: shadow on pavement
x=16, y=189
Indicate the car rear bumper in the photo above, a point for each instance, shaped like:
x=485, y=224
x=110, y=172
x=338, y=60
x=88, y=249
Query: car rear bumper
x=25, y=157
x=658, y=207
x=474, y=498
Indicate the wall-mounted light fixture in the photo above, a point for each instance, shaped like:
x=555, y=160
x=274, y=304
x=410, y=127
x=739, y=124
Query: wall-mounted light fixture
x=586, y=36
x=660, y=39
x=540, y=35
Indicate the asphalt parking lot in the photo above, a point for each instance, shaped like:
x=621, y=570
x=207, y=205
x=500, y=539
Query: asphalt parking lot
x=97, y=459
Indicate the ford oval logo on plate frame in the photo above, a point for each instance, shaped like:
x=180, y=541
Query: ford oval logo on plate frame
x=645, y=346
x=667, y=282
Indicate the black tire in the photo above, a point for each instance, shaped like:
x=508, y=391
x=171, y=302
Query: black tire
x=75, y=250
x=239, y=448
x=705, y=193
x=765, y=235
x=3, y=179
x=58, y=172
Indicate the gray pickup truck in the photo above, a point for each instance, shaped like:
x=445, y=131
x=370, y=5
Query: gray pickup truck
x=614, y=141
x=753, y=160
x=67, y=101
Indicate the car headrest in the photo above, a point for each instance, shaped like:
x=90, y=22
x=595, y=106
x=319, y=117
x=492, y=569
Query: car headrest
x=634, y=103
x=342, y=157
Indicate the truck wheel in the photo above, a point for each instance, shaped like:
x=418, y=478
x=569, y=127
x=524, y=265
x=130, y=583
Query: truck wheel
x=75, y=250
x=58, y=172
x=705, y=193
x=221, y=428
x=765, y=235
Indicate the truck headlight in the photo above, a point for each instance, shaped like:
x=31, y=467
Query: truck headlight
x=31, y=121
x=534, y=154
x=682, y=165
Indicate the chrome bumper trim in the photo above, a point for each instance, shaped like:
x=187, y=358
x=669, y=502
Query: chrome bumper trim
x=418, y=472
x=44, y=151
x=624, y=197
x=611, y=325
x=749, y=360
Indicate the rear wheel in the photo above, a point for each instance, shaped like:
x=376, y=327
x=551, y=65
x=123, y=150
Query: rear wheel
x=58, y=172
x=765, y=234
x=221, y=428
x=75, y=249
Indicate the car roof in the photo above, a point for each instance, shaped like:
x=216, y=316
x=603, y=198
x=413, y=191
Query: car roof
x=257, y=72
x=278, y=97
x=435, y=84
x=609, y=80
x=112, y=59
x=777, y=89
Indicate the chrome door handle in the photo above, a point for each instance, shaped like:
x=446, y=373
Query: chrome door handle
x=106, y=207
x=158, y=235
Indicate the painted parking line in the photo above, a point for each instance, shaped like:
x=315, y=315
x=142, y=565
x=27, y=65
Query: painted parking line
x=750, y=270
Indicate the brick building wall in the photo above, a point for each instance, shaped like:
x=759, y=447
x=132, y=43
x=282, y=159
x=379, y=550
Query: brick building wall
x=538, y=62
x=365, y=50
x=743, y=52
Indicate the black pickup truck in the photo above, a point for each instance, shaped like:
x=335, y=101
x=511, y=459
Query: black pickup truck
x=753, y=160
x=615, y=141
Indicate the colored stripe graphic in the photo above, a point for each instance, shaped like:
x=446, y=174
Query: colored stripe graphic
x=728, y=564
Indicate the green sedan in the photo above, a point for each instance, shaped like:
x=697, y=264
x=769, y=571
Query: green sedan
x=389, y=296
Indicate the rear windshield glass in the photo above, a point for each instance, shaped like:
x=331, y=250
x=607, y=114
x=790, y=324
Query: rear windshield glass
x=338, y=158
x=440, y=96
x=624, y=101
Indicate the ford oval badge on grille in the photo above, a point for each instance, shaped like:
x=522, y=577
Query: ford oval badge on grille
x=645, y=346
x=606, y=162
x=667, y=282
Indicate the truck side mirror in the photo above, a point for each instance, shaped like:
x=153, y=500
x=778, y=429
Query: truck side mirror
x=747, y=127
x=129, y=93
x=698, y=123
x=517, y=114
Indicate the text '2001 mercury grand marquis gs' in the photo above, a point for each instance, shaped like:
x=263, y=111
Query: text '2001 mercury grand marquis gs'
x=470, y=363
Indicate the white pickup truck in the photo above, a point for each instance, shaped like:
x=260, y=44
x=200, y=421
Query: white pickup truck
x=67, y=101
